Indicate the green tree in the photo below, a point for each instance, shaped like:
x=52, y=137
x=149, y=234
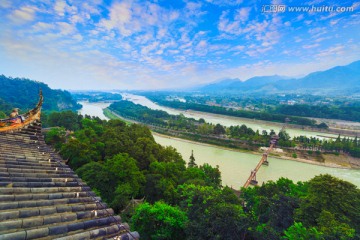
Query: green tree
x=323, y=125
x=68, y=119
x=24, y=94
x=79, y=152
x=272, y=205
x=219, y=129
x=145, y=151
x=212, y=213
x=159, y=221
x=205, y=128
x=333, y=229
x=192, y=160
x=330, y=194
x=298, y=232
x=162, y=180
x=129, y=180
x=212, y=175
x=2, y=115
x=117, y=180
x=55, y=137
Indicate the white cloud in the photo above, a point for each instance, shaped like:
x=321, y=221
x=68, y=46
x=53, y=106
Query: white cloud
x=23, y=15
x=310, y=46
x=334, y=22
x=321, y=39
x=314, y=2
x=66, y=28
x=5, y=4
x=225, y=2
x=300, y=17
x=227, y=26
x=201, y=48
x=119, y=18
x=42, y=26
x=243, y=14
x=137, y=43
x=332, y=51
x=193, y=9
x=148, y=48
x=59, y=7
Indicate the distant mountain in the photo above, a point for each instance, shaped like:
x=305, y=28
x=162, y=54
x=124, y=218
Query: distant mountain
x=255, y=83
x=24, y=94
x=237, y=85
x=340, y=79
x=222, y=84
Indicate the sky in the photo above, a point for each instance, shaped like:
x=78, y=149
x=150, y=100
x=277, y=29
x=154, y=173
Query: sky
x=167, y=44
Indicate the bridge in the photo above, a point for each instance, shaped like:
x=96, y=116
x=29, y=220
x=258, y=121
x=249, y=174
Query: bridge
x=263, y=161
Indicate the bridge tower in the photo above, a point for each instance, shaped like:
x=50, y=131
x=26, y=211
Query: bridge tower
x=253, y=181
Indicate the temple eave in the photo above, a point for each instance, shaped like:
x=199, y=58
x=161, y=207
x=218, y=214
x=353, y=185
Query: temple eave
x=41, y=197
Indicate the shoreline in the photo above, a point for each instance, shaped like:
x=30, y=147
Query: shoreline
x=302, y=160
x=330, y=165
x=349, y=133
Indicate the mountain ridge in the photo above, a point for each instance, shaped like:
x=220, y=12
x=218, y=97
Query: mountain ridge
x=339, y=79
x=24, y=93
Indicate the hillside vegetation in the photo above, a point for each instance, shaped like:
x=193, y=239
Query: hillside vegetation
x=24, y=94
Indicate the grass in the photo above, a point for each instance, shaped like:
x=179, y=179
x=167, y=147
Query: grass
x=110, y=115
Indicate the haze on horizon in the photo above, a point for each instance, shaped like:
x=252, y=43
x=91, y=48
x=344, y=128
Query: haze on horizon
x=170, y=44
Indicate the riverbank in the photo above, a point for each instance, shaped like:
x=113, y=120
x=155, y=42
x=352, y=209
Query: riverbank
x=332, y=130
x=326, y=160
x=225, y=120
x=259, y=153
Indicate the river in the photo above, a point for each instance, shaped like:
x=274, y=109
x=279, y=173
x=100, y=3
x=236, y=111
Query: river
x=94, y=109
x=235, y=166
x=222, y=119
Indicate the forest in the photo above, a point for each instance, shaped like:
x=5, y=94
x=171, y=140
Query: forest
x=24, y=94
x=263, y=115
x=122, y=161
x=267, y=107
x=243, y=133
x=350, y=113
x=94, y=96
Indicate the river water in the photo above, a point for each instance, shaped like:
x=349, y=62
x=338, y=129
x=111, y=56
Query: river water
x=94, y=109
x=223, y=120
x=235, y=166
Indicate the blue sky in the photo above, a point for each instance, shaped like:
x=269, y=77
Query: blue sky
x=73, y=44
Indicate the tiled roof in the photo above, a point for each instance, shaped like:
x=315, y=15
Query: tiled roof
x=42, y=198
